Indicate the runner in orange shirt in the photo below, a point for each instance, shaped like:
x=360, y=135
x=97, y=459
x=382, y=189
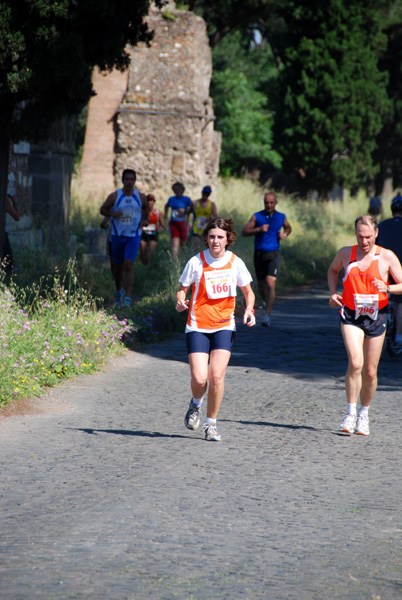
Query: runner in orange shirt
x=363, y=312
x=213, y=275
x=150, y=232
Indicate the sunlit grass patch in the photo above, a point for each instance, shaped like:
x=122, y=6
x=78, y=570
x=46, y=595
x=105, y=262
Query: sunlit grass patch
x=48, y=334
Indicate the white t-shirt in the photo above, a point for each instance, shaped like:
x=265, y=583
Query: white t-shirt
x=193, y=272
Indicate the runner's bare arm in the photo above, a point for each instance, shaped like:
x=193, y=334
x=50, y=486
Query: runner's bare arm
x=393, y=288
x=161, y=221
x=144, y=209
x=333, y=276
x=214, y=211
x=251, y=229
x=249, y=297
x=181, y=302
x=395, y=268
x=165, y=210
x=106, y=208
x=286, y=230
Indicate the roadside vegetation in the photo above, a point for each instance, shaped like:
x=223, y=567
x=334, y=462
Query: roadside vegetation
x=57, y=315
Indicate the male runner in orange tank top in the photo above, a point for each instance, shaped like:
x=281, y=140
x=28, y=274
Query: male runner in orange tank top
x=364, y=310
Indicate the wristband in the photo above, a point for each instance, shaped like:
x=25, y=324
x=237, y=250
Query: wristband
x=252, y=309
x=388, y=289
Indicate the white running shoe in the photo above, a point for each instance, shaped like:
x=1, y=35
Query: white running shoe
x=211, y=433
x=362, y=425
x=348, y=424
x=193, y=416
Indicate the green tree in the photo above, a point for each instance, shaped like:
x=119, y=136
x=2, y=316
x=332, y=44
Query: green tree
x=242, y=116
x=333, y=93
x=242, y=76
x=389, y=142
x=48, y=49
x=227, y=16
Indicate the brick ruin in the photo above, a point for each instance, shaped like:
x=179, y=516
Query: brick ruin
x=156, y=118
x=165, y=123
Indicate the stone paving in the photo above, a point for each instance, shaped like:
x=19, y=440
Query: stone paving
x=107, y=496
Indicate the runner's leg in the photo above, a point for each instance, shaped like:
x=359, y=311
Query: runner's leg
x=128, y=276
x=372, y=349
x=150, y=250
x=353, y=338
x=219, y=361
x=199, y=373
x=270, y=294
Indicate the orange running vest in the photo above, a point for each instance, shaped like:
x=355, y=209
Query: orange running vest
x=207, y=313
x=356, y=281
x=153, y=219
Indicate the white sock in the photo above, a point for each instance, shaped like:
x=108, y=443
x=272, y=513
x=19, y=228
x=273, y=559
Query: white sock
x=209, y=421
x=197, y=401
x=363, y=411
x=352, y=409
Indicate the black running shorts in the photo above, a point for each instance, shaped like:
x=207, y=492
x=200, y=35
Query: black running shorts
x=266, y=263
x=370, y=328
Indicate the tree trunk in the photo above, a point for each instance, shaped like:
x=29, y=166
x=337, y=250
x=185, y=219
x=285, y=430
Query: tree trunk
x=387, y=189
x=4, y=158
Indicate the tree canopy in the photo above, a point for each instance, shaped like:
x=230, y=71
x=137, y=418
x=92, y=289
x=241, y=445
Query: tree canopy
x=48, y=49
x=240, y=84
x=333, y=93
x=336, y=95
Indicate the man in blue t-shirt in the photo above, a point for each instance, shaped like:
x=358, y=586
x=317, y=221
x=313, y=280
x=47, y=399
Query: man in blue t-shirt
x=269, y=227
x=181, y=206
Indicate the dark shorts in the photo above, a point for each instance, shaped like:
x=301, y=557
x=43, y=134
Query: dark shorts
x=196, y=341
x=124, y=247
x=149, y=237
x=266, y=263
x=370, y=328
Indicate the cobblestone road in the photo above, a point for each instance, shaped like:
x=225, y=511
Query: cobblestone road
x=106, y=495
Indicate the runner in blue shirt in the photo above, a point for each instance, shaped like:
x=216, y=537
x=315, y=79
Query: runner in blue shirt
x=128, y=210
x=269, y=227
x=181, y=206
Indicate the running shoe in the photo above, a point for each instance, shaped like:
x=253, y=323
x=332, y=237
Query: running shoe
x=266, y=320
x=348, y=424
x=362, y=425
x=118, y=298
x=211, y=433
x=127, y=302
x=193, y=416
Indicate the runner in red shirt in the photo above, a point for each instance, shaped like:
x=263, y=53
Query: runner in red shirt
x=150, y=232
x=363, y=312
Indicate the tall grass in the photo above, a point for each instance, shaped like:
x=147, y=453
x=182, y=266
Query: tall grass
x=319, y=229
x=49, y=332
x=57, y=319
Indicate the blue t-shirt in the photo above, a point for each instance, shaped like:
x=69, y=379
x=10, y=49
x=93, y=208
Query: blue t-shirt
x=175, y=203
x=390, y=235
x=269, y=240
